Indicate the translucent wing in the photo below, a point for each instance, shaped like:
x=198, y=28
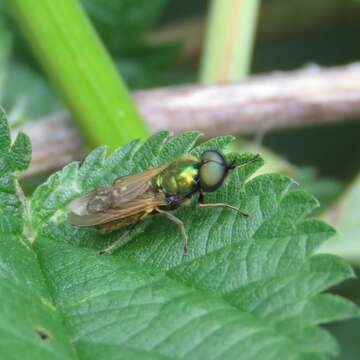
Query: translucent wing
x=129, y=195
x=130, y=187
x=145, y=203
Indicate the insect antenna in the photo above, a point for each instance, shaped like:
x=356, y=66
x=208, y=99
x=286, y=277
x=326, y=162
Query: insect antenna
x=251, y=160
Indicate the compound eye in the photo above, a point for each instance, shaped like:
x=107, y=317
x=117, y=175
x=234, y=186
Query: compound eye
x=212, y=155
x=212, y=171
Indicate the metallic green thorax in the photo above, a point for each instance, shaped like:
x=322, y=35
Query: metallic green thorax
x=179, y=178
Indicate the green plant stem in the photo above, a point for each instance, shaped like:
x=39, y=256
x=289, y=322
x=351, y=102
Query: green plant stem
x=229, y=40
x=74, y=58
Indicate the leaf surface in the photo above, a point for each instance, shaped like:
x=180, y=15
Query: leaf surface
x=249, y=289
x=30, y=325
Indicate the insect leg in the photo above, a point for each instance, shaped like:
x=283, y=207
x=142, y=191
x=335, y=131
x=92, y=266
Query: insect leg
x=124, y=239
x=220, y=205
x=201, y=198
x=181, y=226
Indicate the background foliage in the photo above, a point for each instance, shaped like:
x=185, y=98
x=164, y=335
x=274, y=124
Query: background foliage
x=329, y=170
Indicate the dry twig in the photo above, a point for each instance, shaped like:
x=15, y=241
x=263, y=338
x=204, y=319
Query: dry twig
x=278, y=100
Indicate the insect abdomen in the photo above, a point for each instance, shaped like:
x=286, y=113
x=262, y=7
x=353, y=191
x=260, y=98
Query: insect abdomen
x=118, y=224
x=101, y=201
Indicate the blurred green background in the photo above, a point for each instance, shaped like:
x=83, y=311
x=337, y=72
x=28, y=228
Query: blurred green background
x=143, y=38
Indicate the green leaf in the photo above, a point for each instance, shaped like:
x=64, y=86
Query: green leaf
x=115, y=15
x=27, y=93
x=345, y=215
x=24, y=92
x=30, y=325
x=249, y=289
x=5, y=50
x=121, y=22
x=325, y=189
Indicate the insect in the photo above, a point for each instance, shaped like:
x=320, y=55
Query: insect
x=132, y=198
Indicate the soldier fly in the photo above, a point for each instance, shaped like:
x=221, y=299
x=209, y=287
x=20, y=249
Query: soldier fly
x=132, y=198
